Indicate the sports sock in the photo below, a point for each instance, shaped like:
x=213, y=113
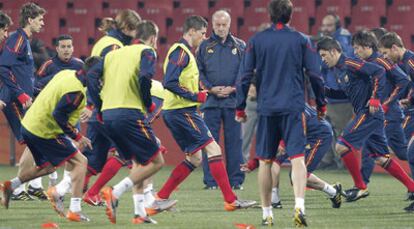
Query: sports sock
x=219, y=174
x=351, y=163
x=139, y=208
x=122, y=186
x=177, y=176
x=111, y=168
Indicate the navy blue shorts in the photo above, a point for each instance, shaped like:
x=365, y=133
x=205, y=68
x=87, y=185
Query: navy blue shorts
x=319, y=138
x=134, y=138
x=290, y=128
x=101, y=144
x=188, y=129
x=365, y=130
x=49, y=151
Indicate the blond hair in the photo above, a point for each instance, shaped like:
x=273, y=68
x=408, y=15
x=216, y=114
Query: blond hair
x=125, y=19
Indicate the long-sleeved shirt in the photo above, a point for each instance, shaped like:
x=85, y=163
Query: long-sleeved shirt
x=146, y=72
x=218, y=63
x=178, y=60
x=53, y=66
x=17, y=65
x=279, y=54
x=344, y=38
x=360, y=81
x=407, y=65
x=396, y=83
x=67, y=104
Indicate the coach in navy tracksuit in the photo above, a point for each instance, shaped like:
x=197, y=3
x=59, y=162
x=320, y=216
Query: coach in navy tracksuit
x=218, y=61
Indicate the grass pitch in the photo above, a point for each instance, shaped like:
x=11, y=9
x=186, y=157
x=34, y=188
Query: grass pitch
x=198, y=208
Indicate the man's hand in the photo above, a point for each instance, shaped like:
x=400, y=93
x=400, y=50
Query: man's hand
x=252, y=92
x=241, y=116
x=25, y=100
x=245, y=168
x=374, y=105
x=227, y=91
x=405, y=103
x=2, y=105
x=82, y=142
x=86, y=114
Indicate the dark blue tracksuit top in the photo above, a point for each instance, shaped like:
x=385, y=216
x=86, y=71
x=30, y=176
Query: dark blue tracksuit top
x=218, y=64
x=279, y=55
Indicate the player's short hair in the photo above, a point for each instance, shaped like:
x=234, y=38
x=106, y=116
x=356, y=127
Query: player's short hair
x=5, y=20
x=62, y=37
x=328, y=43
x=390, y=39
x=194, y=22
x=366, y=39
x=146, y=29
x=280, y=11
x=125, y=19
x=29, y=10
x=91, y=61
x=379, y=32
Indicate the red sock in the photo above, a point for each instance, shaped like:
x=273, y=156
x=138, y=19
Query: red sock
x=177, y=176
x=351, y=163
x=396, y=171
x=219, y=173
x=111, y=168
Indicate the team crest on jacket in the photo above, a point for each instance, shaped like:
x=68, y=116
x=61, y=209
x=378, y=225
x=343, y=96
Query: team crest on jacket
x=210, y=50
x=346, y=78
x=234, y=51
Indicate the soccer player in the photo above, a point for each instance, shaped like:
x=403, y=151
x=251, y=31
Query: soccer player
x=119, y=32
x=319, y=138
x=392, y=47
x=181, y=98
x=278, y=55
x=48, y=130
x=5, y=23
x=365, y=47
x=16, y=73
x=363, y=83
x=63, y=60
x=126, y=78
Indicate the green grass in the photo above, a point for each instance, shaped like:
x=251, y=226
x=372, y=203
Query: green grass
x=198, y=208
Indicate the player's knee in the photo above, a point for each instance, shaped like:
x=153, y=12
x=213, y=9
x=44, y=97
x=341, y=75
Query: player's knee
x=195, y=159
x=159, y=161
x=340, y=149
x=212, y=149
x=382, y=161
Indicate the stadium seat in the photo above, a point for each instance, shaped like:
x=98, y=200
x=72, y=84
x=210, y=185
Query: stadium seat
x=160, y=12
x=234, y=7
x=303, y=12
x=184, y=8
x=175, y=31
x=367, y=14
x=400, y=12
x=84, y=14
x=51, y=29
x=60, y=6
